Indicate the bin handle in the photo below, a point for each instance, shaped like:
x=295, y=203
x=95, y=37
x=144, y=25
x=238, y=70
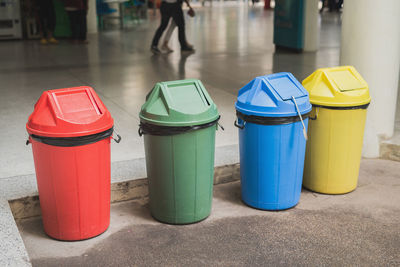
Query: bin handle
x=301, y=119
x=239, y=126
x=140, y=131
x=316, y=115
x=220, y=126
x=118, y=139
x=28, y=141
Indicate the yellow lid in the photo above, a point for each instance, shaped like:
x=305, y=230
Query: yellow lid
x=337, y=87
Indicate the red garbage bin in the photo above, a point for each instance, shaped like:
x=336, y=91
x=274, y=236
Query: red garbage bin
x=70, y=131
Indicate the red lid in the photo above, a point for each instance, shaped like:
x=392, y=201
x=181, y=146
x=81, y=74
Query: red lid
x=69, y=112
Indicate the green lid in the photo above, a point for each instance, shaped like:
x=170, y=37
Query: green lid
x=178, y=103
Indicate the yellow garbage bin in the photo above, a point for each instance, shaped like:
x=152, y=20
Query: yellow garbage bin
x=340, y=98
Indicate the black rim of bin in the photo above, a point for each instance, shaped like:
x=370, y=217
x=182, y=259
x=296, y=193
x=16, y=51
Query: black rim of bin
x=365, y=106
x=73, y=141
x=152, y=129
x=270, y=120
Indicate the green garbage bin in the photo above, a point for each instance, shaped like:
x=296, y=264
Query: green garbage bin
x=178, y=121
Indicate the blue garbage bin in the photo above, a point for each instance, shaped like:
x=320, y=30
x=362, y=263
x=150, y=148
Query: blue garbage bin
x=272, y=117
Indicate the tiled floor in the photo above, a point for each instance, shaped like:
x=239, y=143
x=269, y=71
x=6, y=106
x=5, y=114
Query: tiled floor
x=233, y=45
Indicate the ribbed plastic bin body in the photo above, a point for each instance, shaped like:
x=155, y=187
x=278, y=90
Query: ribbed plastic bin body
x=181, y=171
x=272, y=140
x=333, y=158
x=70, y=132
x=74, y=189
x=271, y=164
x=340, y=98
x=178, y=122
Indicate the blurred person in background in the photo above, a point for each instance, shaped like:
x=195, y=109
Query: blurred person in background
x=171, y=28
x=47, y=21
x=77, y=12
x=171, y=9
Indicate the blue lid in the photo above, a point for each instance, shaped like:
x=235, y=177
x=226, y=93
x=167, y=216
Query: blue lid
x=271, y=96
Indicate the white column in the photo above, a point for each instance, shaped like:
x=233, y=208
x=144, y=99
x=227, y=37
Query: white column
x=371, y=43
x=92, y=17
x=311, y=25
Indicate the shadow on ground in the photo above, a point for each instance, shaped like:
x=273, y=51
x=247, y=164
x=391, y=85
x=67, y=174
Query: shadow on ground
x=303, y=237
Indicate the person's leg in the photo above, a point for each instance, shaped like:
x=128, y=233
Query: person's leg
x=331, y=5
x=51, y=21
x=339, y=5
x=73, y=21
x=82, y=25
x=41, y=16
x=167, y=37
x=170, y=30
x=177, y=15
x=165, y=11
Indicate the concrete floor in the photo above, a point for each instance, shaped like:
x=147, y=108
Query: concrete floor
x=361, y=228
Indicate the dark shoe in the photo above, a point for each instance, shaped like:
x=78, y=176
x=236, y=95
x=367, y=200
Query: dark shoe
x=187, y=49
x=155, y=50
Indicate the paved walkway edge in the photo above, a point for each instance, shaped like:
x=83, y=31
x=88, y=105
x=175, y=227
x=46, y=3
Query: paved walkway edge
x=29, y=206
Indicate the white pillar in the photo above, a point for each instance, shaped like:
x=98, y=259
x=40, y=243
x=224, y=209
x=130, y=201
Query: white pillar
x=371, y=43
x=92, y=17
x=311, y=25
